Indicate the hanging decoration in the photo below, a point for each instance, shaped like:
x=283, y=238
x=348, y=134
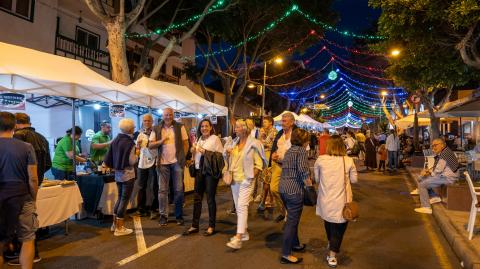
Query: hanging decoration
x=332, y=75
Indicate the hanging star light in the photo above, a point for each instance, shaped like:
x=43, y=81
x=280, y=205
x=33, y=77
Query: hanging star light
x=350, y=104
x=332, y=75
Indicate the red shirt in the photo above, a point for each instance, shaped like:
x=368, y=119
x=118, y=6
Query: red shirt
x=322, y=144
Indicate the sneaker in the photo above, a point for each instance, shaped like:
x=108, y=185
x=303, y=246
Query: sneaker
x=154, y=215
x=424, y=210
x=163, y=221
x=435, y=200
x=235, y=243
x=414, y=192
x=245, y=237
x=180, y=222
x=122, y=231
x=332, y=261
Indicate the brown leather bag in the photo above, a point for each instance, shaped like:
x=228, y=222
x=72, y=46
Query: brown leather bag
x=350, y=210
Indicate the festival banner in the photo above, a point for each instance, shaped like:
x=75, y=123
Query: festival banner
x=117, y=111
x=12, y=101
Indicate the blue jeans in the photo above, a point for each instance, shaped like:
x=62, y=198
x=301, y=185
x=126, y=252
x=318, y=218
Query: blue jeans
x=392, y=160
x=124, y=192
x=165, y=172
x=294, y=205
x=60, y=174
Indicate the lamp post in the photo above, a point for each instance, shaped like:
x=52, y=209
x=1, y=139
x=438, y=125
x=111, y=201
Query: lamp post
x=277, y=60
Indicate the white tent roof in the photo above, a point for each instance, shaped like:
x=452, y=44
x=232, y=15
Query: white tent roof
x=279, y=117
x=26, y=70
x=163, y=94
x=307, y=120
x=407, y=122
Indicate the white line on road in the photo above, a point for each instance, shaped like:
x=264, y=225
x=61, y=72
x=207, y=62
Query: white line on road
x=148, y=250
x=141, y=245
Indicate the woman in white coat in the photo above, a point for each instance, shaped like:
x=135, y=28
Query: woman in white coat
x=246, y=159
x=334, y=172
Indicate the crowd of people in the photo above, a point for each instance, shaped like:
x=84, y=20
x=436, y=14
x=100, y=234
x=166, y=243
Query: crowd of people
x=259, y=164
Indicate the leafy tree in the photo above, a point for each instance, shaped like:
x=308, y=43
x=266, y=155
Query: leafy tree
x=429, y=61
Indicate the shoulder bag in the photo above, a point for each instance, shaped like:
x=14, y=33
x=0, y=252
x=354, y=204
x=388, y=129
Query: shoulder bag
x=350, y=210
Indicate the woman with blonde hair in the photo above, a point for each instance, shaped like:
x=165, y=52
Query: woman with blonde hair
x=122, y=156
x=246, y=158
x=334, y=172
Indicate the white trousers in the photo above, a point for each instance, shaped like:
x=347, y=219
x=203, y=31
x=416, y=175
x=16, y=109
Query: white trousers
x=242, y=195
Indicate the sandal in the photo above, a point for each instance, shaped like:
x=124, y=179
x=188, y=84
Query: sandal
x=190, y=231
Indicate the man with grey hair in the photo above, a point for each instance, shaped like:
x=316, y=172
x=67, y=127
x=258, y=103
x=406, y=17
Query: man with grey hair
x=443, y=172
x=280, y=146
x=171, y=140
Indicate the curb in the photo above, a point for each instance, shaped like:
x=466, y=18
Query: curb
x=458, y=242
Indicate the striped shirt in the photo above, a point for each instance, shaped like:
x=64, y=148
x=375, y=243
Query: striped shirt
x=294, y=171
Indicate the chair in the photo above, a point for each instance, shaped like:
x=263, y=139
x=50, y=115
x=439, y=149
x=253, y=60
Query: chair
x=474, y=191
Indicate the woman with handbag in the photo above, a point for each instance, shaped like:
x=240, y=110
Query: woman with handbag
x=295, y=175
x=245, y=161
x=207, y=159
x=334, y=172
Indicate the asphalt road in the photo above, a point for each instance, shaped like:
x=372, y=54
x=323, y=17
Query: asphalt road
x=388, y=235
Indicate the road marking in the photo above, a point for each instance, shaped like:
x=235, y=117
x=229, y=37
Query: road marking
x=437, y=246
x=141, y=244
x=148, y=250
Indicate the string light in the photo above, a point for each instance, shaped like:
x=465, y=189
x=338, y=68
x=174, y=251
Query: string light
x=173, y=26
x=352, y=50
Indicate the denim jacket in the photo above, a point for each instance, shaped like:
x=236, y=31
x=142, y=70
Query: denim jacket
x=251, y=146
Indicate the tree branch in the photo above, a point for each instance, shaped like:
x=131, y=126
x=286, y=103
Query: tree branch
x=151, y=13
x=197, y=23
x=133, y=15
x=97, y=10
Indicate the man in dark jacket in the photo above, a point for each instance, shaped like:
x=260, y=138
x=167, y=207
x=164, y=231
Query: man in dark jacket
x=280, y=146
x=25, y=132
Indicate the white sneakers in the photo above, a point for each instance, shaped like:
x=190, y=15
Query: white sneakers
x=245, y=236
x=435, y=200
x=235, y=243
x=122, y=231
x=424, y=210
x=332, y=261
x=414, y=192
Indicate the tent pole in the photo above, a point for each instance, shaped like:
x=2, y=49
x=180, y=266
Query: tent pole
x=73, y=141
x=461, y=133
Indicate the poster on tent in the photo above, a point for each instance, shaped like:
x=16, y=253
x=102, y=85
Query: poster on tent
x=117, y=111
x=12, y=101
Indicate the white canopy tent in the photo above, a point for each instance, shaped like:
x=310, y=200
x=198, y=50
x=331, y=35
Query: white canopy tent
x=24, y=70
x=162, y=94
x=279, y=117
x=304, y=119
x=407, y=122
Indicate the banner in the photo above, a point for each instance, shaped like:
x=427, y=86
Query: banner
x=12, y=101
x=117, y=111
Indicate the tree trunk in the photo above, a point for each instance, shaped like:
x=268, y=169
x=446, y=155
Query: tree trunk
x=416, y=142
x=117, y=47
x=434, y=122
x=163, y=58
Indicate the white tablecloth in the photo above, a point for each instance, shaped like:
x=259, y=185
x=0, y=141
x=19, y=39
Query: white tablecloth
x=57, y=203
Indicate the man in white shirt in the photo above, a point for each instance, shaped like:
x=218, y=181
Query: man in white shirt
x=444, y=172
x=171, y=140
x=392, y=144
x=280, y=146
x=146, y=169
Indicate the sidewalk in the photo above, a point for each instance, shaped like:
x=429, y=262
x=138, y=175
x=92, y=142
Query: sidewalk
x=454, y=226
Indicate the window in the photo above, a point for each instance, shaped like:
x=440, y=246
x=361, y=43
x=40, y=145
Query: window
x=176, y=72
x=87, y=38
x=20, y=8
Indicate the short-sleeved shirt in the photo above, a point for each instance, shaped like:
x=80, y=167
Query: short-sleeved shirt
x=15, y=158
x=98, y=154
x=169, y=152
x=60, y=159
x=283, y=145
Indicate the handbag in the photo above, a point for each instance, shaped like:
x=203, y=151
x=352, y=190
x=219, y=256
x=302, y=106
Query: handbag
x=309, y=196
x=191, y=170
x=350, y=210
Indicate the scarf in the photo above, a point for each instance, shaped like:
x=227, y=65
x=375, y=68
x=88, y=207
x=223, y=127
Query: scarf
x=447, y=155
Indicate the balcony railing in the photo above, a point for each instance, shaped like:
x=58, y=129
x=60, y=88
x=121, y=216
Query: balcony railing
x=169, y=78
x=68, y=47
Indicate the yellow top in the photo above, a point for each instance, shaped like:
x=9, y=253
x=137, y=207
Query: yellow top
x=237, y=163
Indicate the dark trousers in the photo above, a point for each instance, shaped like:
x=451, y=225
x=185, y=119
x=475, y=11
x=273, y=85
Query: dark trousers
x=147, y=183
x=204, y=184
x=335, y=232
x=294, y=206
x=381, y=165
x=124, y=192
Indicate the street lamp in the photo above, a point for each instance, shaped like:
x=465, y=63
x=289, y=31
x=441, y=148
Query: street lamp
x=322, y=96
x=395, y=52
x=384, y=93
x=251, y=85
x=276, y=60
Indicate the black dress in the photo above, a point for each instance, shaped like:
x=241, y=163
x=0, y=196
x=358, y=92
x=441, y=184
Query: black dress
x=371, y=153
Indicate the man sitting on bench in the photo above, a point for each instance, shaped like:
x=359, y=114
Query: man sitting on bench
x=443, y=172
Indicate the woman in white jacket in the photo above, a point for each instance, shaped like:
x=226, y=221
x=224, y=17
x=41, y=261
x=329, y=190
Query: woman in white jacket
x=334, y=172
x=246, y=159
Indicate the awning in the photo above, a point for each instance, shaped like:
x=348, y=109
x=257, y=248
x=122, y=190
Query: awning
x=407, y=122
x=24, y=70
x=162, y=94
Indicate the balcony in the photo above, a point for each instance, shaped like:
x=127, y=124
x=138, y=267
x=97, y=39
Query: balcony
x=68, y=47
x=169, y=78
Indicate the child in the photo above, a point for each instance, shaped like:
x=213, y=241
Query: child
x=382, y=151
